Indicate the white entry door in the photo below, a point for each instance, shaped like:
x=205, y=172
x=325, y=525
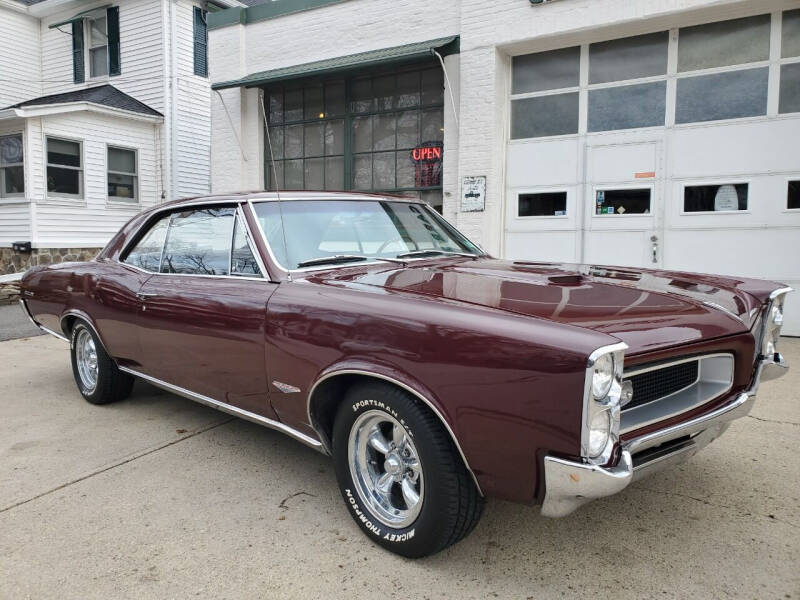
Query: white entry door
x=623, y=202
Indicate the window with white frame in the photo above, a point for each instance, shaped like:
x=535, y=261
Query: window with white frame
x=64, y=168
x=98, y=46
x=720, y=71
x=12, y=166
x=123, y=182
x=716, y=197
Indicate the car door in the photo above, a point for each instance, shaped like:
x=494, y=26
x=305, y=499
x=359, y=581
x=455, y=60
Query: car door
x=203, y=315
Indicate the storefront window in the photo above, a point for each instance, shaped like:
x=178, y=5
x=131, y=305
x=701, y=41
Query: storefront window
x=379, y=133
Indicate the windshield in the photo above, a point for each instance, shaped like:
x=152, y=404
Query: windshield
x=348, y=229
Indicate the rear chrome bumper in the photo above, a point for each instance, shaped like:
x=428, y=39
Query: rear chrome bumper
x=570, y=484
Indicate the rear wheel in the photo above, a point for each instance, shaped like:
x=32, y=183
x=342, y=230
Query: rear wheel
x=98, y=378
x=400, y=474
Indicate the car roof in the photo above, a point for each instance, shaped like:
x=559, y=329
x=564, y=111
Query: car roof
x=262, y=196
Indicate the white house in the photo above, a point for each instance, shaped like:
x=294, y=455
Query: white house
x=654, y=133
x=104, y=110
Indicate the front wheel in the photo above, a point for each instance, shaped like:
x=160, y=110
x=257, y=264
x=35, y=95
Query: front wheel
x=400, y=474
x=98, y=378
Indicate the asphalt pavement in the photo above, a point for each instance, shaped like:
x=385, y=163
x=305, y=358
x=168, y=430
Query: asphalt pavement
x=14, y=324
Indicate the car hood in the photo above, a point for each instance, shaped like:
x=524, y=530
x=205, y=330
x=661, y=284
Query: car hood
x=646, y=309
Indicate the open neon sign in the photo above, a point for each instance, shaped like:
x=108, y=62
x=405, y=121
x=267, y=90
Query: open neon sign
x=426, y=153
x=427, y=159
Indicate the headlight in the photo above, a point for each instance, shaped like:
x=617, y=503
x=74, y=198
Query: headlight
x=603, y=376
x=599, y=432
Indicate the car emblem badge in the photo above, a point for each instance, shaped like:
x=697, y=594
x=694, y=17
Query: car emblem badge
x=285, y=387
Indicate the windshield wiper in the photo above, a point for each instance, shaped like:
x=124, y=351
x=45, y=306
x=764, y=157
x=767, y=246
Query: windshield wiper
x=423, y=253
x=343, y=258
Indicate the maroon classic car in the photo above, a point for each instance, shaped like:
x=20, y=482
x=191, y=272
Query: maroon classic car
x=368, y=328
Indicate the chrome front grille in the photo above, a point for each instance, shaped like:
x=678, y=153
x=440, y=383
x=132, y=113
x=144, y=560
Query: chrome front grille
x=665, y=390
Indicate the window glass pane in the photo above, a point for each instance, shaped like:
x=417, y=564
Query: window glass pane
x=383, y=88
x=725, y=43
x=146, y=254
x=545, y=115
x=545, y=70
x=628, y=58
x=274, y=170
x=383, y=132
x=276, y=139
x=407, y=89
x=362, y=96
x=362, y=172
x=432, y=86
x=640, y=105
x=276, y=107
x=383, y=170
x=121, y=160
x=722, y=96
x=362, y=134
x=790, y=88
x=334, y=99
x=293, y=105
x=293, y=174
x=542, y=204
x=715, y=198
x=334, y=173
x=315, y=174
x=334, y=137
x=98, y=32
x=408, y=129
x=313, y=103
x=99, y=61
x=406, y=169
x=63, y=181
x=14, y=180
x=11, y=150
x=242, y=260
x=790, y=37
x=431, y=125
x=293, y=141
x=315, y=139
x=122, y=187
x=793, y=195
x=199, y=242
x=63, y=152
x=622, y=202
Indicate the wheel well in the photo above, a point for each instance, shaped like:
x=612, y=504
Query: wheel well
x=67, y=323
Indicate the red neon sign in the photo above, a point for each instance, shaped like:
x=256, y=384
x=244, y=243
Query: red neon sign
x=426, y=153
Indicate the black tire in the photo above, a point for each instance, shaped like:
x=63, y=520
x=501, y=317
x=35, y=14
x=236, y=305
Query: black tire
x=451, y=503
x=112, y=384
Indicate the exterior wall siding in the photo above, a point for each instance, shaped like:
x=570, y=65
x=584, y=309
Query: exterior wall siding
x=20, y=57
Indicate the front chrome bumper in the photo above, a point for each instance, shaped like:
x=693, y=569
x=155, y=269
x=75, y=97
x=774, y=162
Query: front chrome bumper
x=570, y=484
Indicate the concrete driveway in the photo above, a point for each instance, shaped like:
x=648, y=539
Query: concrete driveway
x=157, y=497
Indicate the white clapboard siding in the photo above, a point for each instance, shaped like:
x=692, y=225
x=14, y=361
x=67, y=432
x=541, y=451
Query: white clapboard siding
x=20, y=59
x=141, y=52
x=192, y=137
x=15, y=222
x=93, y=220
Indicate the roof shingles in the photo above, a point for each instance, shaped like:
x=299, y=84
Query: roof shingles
x=104, y=95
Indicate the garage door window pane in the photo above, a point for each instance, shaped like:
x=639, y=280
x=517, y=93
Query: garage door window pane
x=715, y=198
x=546, y=70
x=544, y=115
x=628, y=58
x=793, y=195
x=790, y=88
x=725, y=43
x=543, y=204
x=622, y=202
x=790, y=37
x=722, y=96
x=641, y=105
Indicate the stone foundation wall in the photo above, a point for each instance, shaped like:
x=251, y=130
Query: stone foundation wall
x=18, y=262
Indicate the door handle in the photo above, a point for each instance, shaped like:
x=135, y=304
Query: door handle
x=146, y=294
x=655, y=253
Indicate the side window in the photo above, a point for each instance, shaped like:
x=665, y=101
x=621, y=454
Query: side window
x=243, y=262
x=146, y=254
x=199, y=242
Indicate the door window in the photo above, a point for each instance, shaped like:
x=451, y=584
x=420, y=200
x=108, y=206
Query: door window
x=146, y=254
x=199, y=242
x=623, y=202
x=243, y=263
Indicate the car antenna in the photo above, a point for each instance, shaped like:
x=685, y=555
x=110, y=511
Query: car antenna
x=275, y=179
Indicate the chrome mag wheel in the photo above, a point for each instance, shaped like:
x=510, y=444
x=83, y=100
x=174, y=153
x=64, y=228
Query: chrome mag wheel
x=386, y=469
x=86, y=359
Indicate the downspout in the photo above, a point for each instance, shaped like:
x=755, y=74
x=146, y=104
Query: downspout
x=166, y=144
x=173, y=109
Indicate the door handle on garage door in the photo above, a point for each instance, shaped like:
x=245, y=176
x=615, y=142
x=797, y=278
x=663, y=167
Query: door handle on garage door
x=654, y=239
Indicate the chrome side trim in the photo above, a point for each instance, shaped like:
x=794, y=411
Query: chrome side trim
x=42, y=327
x=780, y=291
x=228, y=408
x=670, y=363
x=82, y=315
x=53, y=333
x=406, y=388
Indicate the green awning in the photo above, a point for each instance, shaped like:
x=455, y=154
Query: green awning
x=81, y=15
x=385, y=56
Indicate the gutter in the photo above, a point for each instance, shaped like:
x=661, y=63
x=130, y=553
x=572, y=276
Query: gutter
x=41, y=110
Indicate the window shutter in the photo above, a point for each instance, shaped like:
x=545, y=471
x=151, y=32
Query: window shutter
x=114, y=62
x=200, y=43
x=78, y=67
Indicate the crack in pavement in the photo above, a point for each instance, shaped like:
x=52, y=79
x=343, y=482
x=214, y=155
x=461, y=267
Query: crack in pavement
x=119, y=463
x=714, y=504
x=774, y=421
